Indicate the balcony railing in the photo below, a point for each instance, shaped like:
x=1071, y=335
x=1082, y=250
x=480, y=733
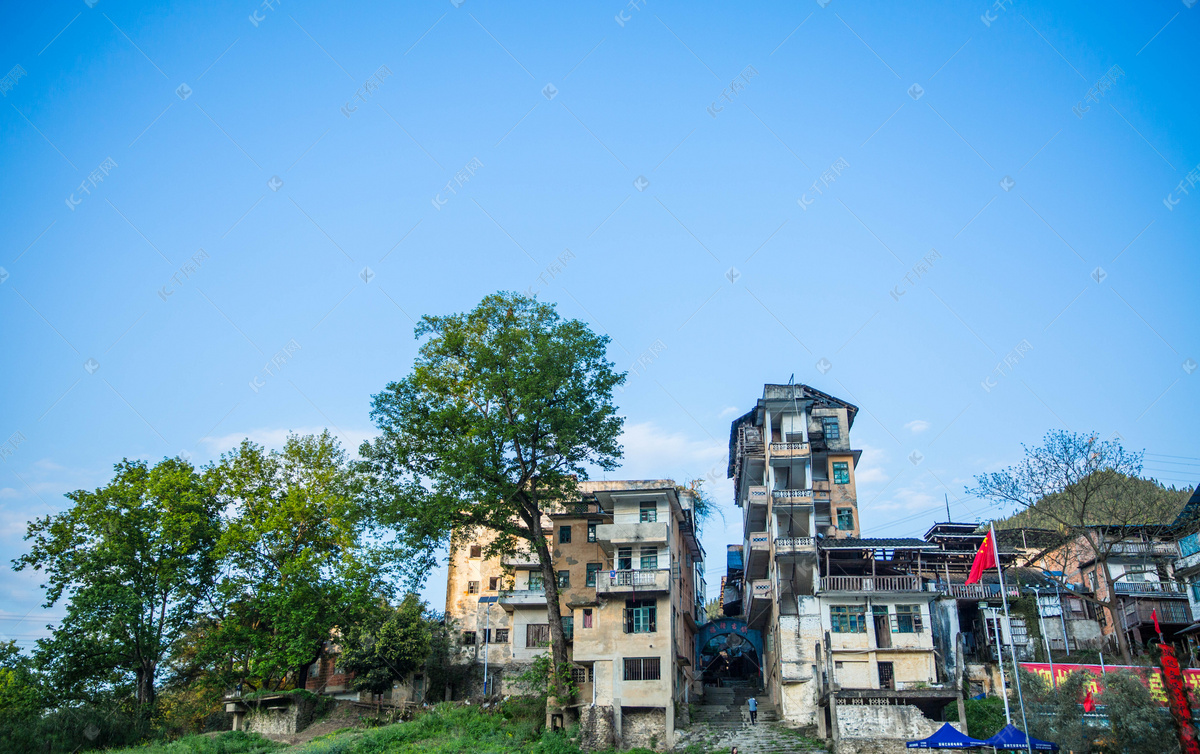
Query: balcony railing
x=1150, y=587
x=787, y=449
x=522, y=597
x=1145, y=549
x=1175, y=613
x=789, y=545
x=761, y=589
x=629, y=534
x=792, y=494
x=982, y=591
x=759, y=540
x=521, y=560
x=757, y=493
x=870, y=584
x=644, y=580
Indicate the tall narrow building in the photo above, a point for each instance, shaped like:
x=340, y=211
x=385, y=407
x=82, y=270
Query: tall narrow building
x=835, y=626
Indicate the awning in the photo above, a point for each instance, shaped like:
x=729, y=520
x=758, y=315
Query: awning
x=1010, y=737
x=1189, y=630
x=947, y=737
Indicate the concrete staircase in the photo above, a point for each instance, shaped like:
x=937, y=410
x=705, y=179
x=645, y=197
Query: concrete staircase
x=723, y=721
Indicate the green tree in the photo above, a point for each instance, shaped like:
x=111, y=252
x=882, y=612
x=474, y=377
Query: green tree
x=506, y=408
x=133, y=559
x=389, y=645
x=1090, y=492
x=295, y=561
x=1138, y=723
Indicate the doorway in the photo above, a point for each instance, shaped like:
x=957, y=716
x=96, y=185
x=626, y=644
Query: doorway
x=883, y=627
x=887, y=676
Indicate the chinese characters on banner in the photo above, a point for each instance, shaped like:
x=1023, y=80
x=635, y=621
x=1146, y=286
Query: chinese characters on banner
x=1152, y=677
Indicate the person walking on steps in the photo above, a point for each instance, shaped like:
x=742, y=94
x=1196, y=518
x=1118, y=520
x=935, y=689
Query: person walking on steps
x=752, y=703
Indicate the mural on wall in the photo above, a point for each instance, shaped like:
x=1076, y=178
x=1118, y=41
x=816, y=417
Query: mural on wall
x=728, y=648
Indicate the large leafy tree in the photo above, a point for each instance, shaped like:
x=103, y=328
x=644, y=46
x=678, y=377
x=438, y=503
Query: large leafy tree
x=389, y=645
x=1089, y=490
x=295, y=562
x=133, y=559
x=506, y=407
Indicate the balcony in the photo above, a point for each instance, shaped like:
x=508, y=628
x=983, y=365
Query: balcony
x=521, y=561
x=758, y=602
x=868, y=584
x=642, y=581
x=1144, y=549
x=1187, y=564
x=757, y=493
x=978, y=592
x=626, y=535
x=513, y=598
x=1158, y=588
x=1169, y=613
x=789, y=449
x=757, y=554
x=793, y=497
x=788, y=547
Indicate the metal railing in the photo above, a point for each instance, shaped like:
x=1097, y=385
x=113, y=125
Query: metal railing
x=1150, y=587
x=870, y=584
x=981, y=591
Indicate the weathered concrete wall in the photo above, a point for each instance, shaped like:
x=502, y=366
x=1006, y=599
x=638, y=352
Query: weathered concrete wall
x=943, y=624
x=289, y=721
x=644, y=728
x=596, y=728
x=870, y=721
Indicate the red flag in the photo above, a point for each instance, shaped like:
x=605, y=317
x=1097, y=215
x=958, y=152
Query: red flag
x=1154, y=615
x=1089, y=704
x=985, y=558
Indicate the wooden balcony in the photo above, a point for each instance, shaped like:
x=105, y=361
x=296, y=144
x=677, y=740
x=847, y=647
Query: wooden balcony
x=1172, y=613
x=869, y=584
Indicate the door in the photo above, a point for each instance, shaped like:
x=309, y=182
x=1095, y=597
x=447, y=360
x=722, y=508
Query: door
x=883, y=627
x=887, y=677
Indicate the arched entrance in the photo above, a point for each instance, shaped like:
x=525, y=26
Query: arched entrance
x=730, y=653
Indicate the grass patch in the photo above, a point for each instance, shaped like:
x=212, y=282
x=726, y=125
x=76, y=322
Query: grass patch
x=230, y=742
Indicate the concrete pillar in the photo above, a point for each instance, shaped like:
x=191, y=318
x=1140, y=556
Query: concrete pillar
x=618, y=738
x=670, y=715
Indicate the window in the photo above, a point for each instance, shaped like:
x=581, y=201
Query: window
x=592, y=570
x=841, y=472
x=845, y=519
x=832, y=430
x=591, y=533
x=640, y=616
x=468, y=637
x=649, y=558
x=1196, y=591
x=493, y=583
x=568, y=624
x=564, y=535
x=624, y=558
x=476, y=551
x=582, y=675
x=537, y=635
x=848, y=619
x=564, y=579
x=642, y=669
x=587, y=617
x=536, y=582
x=1093, y=580
x=649, y=513
x=501, y=636
x=908, y=619
x=1135, y=575
x=472, y=587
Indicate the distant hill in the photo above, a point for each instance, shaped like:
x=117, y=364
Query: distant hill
x=1159, y=505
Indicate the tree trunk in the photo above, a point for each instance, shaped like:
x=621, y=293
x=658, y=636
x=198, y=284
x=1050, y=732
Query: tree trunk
x=1113, y=610
x=145, y=686
x=558, y=645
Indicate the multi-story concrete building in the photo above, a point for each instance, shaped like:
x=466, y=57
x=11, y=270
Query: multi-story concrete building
x=846, y=625
x=630, y=574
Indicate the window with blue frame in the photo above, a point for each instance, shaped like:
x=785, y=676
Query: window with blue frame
x=1189, y=545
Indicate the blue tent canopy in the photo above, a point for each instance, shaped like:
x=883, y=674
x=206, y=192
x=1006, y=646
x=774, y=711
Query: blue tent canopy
x=1010, y=737
x=947, y=737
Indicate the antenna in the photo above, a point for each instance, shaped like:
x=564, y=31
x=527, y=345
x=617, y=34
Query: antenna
x=948, y=518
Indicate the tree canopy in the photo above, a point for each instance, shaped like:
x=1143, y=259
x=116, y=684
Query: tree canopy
x=506, y=408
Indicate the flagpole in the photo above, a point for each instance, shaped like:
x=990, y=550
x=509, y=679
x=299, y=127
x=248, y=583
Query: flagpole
x=1011, y=644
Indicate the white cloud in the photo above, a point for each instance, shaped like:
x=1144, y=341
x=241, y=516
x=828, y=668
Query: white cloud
x=917, y=426
x=274, y=438
x=727, y=411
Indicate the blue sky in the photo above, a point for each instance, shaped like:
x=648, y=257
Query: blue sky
x=919, y=210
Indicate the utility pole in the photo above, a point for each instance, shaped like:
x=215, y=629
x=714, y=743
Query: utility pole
x=947, y=497
x=1046, y=639
x=1011, y=644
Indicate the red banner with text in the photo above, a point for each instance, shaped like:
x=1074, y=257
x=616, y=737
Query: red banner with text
x=1152, y=677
